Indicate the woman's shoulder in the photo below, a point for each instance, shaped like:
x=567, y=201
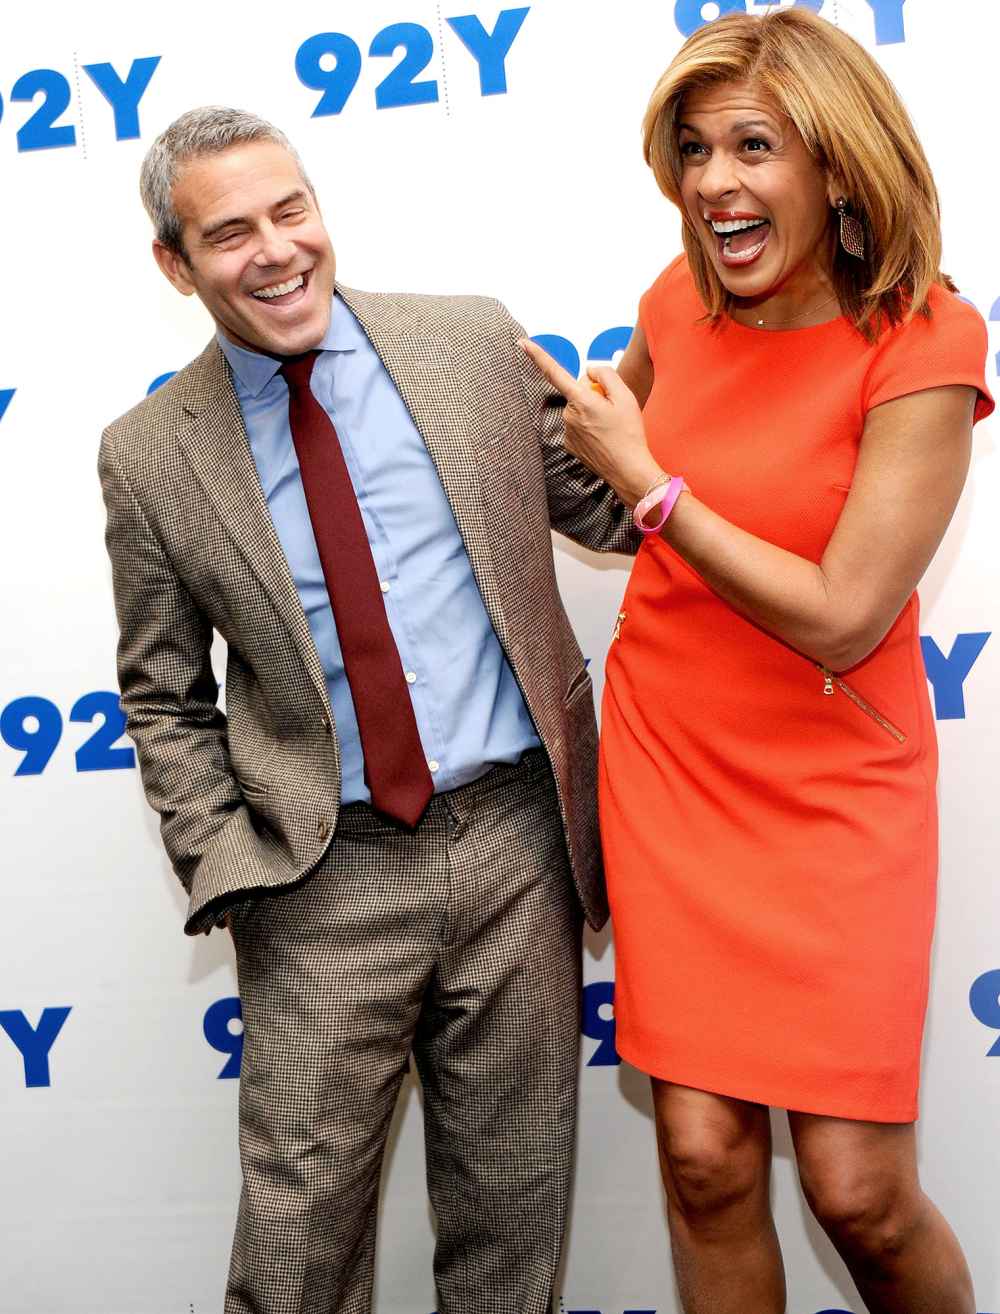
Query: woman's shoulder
x=946, y=319
x=946, y=345
x=947, y=314
x=672, y=296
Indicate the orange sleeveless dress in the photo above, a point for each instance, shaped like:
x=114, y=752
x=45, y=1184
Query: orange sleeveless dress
x=771, y=847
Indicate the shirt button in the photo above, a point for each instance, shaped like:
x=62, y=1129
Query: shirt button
x=433, y=766
x=411, y=677
x=323, y=829
x=384, y=585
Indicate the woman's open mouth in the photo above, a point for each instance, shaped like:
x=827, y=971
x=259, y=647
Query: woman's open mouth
x=740, y=238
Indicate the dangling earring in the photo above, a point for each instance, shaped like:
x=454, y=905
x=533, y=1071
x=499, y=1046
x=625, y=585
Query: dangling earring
x=852, y=235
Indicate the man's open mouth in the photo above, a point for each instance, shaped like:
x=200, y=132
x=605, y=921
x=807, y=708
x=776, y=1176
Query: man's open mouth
x=285, y=293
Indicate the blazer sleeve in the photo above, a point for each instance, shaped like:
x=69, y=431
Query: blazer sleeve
x=581, y=506
x=168, y=689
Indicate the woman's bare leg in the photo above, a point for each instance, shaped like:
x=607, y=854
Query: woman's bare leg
x=715, y=1157
x=860, y=1179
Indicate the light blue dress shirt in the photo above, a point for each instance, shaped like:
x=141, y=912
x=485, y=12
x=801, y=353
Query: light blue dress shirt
x=469, y=709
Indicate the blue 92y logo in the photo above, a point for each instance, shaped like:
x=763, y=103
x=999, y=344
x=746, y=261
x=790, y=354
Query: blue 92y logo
x=33, y=727
x=690, y=15
x=220, y=1018
x=42, y=129
x=598, y=1023
x=592, y=1310
x=984, y=1000
x=34, y=1043
x=330, y=62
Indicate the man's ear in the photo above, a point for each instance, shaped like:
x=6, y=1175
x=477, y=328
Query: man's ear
x=174, y=267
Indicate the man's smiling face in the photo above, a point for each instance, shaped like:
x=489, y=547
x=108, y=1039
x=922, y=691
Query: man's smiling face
x=256, y=251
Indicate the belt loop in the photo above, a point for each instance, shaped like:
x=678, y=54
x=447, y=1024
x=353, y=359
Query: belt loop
x=457, y=807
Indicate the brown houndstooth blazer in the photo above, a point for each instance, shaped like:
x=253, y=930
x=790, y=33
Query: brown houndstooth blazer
x=249, y=799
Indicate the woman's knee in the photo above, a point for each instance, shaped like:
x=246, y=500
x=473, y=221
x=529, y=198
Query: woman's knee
x=713, y=1165
x=864, y=1213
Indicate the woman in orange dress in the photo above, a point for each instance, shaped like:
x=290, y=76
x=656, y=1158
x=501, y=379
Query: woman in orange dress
x=768, y=750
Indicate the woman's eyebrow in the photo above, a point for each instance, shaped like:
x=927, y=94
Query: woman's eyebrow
x=741, y=126
x=750, y=123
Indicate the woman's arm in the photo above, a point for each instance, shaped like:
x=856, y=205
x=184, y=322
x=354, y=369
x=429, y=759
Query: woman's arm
x=635, y=367
x=912, y=463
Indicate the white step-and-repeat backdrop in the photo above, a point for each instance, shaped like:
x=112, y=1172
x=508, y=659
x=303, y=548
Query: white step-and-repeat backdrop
x=457, y=146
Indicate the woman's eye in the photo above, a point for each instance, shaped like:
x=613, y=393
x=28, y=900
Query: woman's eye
x=690, y=147
x=756, y=144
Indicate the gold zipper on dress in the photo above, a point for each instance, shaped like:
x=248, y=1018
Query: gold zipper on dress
x=618, y=626
x=830, y=680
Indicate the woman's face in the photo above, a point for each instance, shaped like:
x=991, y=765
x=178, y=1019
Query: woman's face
x=757, y=199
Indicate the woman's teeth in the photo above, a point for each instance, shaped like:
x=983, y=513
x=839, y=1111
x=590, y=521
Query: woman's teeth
x=279, y=289
x=739, y=232
x=721, y=226
x=740, y=240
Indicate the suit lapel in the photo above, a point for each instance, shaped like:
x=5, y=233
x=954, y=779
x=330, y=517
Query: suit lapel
x=216, y=447
x=460, y=443
x=422, y=369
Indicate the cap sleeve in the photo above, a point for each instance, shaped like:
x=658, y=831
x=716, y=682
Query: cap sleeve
x=656, y=302
x=948, y=348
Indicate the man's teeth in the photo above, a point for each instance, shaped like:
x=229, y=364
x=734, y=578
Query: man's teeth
x=279, y=289
x=722, y=226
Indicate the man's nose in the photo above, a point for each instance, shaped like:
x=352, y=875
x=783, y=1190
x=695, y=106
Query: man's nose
x=274, y=248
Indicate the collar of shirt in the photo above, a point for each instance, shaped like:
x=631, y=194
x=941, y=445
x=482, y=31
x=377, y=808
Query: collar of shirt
x=253, y=370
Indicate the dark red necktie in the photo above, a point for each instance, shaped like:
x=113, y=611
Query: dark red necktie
x=395, y=767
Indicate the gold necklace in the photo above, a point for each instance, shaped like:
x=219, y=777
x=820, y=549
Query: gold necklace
x=780, y=323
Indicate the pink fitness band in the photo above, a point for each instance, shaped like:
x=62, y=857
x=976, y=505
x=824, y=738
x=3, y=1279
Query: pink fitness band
x=663, y=494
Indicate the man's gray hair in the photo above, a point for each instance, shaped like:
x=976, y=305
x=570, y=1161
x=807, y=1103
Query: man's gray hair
x=204, y=131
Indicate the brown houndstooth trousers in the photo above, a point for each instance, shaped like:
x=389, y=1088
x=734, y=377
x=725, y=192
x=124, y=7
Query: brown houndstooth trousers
x=458, y=943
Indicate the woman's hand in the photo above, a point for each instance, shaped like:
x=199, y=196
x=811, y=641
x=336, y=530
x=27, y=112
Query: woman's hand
x=912, y=462
x=602, y=425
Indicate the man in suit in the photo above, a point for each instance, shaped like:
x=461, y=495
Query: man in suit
x=396, y=815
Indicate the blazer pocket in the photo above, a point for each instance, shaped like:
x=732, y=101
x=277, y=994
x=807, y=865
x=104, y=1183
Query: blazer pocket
x=251, y=789
x=579, y=684
x=258, y=785
x=503, y=471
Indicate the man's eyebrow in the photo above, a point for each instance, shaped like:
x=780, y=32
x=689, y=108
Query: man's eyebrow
x=298, y=195
x=209, y=233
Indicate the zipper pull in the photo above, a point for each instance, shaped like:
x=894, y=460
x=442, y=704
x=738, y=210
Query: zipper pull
x=827, y=681
x=618, y=626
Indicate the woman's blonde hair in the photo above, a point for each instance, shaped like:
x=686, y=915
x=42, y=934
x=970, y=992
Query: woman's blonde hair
x=852, y=122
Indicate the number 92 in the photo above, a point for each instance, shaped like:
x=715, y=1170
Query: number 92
x=33, y=727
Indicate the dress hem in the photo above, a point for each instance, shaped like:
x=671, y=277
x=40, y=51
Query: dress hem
x=774, y=1100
